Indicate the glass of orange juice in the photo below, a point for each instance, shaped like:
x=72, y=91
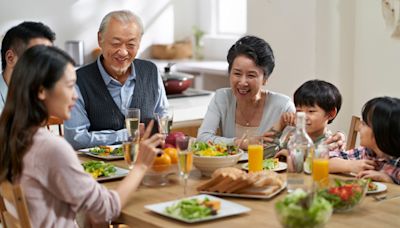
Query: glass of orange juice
x=320, y=166
x=256, y=153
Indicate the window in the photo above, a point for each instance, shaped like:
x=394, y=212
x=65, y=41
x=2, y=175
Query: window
x=223, y=17
x=231, y=16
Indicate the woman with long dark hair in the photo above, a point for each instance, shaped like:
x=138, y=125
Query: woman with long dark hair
x=46, y=166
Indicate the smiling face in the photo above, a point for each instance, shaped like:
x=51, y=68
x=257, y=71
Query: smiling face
x=246, y=78
x=119, y=43
x=60, y=100
x=316, y=119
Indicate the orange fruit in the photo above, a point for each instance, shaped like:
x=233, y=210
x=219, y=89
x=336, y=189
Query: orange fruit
x=161, y=163
x=173, y=154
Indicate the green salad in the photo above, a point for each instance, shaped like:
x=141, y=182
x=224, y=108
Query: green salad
x=106, y=151
x=191, y=209
x=213, y=150
x=300, y=209
x=99, y=168
x=345, y=194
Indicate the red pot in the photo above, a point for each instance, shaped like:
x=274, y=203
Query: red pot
x=176, y=82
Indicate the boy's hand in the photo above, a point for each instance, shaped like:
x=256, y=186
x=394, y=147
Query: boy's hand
x=269, y=136
x=283, y=153
x=375, y=175
x=358, y=166
x=336, y=142
x=287, y=118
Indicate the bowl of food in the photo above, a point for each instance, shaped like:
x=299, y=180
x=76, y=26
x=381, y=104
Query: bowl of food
x=345, y=195
x=207, y=157
x=301, y=209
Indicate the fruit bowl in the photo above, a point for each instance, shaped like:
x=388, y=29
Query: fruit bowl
x=345, y=195
x=158, y=175
x=299, y=209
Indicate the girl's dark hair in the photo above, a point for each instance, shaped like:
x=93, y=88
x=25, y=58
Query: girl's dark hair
x=318, y=92
x=40, y=67
x=256, y=49
x=382, y=114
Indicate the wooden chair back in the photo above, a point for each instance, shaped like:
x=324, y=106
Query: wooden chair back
x=353, y=131
x=12, y=195
x=55, y=121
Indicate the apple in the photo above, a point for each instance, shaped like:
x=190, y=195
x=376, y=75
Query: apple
x=171, y=138
x=167, y=145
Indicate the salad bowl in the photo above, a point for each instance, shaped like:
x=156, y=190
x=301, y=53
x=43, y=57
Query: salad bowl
x=208, y=157
x=345, y=195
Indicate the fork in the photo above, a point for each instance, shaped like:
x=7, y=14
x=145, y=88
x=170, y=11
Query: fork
x=385, y=197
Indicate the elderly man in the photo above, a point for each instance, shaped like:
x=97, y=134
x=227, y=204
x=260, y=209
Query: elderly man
x=15, y=42
x=113, y=83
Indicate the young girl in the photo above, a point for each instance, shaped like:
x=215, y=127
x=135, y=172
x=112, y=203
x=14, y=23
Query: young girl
x=46, y=166
x=379, y=156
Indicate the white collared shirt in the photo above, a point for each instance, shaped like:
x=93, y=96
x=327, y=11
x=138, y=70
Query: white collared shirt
x=3, y=92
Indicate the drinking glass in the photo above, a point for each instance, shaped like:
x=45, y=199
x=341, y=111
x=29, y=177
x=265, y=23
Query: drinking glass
x=132, y=121
x=185, y=158
x=320, y=166
x=164, y=120
x=255, y=151
x=130, y=148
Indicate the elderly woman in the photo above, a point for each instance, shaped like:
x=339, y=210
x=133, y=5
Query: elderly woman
x=46, y=166
x=246, y=106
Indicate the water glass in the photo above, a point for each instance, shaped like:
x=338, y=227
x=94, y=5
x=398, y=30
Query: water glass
x=164, y=120
x=255, y=151
x=185, y=158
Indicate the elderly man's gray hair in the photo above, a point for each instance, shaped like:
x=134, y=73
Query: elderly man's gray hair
x=123, y=16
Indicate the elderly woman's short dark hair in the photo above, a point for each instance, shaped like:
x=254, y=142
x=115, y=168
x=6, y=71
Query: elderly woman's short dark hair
x=256, y=49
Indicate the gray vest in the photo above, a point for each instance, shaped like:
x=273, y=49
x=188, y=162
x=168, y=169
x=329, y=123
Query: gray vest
x=101, y=109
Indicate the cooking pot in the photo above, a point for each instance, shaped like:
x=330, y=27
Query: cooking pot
x=176, y=82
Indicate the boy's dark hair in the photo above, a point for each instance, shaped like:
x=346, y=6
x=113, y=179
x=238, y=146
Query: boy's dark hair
x=256, y=49
x=382, y=114
x=18, y=37
x=321, y=93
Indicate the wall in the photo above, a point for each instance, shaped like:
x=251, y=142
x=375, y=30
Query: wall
x=80, y=19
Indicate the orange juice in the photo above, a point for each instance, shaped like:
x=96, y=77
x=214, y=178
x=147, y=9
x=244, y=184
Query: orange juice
x=320, y=171
x=255, y=158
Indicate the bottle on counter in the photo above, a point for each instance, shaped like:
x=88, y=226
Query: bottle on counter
x=299, y=146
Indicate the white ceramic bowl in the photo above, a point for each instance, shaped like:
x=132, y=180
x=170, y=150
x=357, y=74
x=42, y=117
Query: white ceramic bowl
x=207, y=164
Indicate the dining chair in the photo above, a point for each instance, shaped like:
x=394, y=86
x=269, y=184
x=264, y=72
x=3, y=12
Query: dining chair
x=352, y=135
x=13, y=200
x=54, y=121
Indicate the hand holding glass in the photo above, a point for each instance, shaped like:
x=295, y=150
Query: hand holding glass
x=185, y=158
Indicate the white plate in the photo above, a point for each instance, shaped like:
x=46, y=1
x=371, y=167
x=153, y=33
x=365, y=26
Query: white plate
x=109, y=157
x=281, y=166
x=227, y=209
x=247, y=195
x=381, y=188
x=120, y=173
x=245, y=157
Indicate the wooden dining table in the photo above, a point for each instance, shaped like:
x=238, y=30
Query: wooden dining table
x=371, y=213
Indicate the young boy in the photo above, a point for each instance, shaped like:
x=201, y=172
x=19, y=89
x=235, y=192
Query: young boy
x=321, y=102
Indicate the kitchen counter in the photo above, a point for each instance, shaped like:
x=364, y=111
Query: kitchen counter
x=212, y=67
x=189, y=112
